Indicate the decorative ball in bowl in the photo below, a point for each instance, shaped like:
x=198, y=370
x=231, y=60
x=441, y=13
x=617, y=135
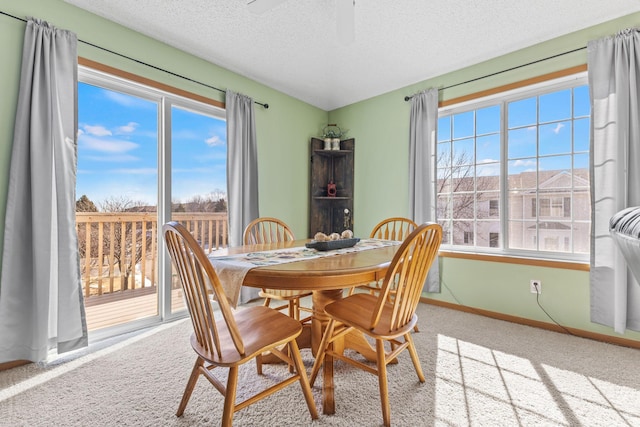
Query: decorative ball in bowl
x=323, y=242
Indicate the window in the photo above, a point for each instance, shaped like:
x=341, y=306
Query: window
x=145, y=156
x=517, y=164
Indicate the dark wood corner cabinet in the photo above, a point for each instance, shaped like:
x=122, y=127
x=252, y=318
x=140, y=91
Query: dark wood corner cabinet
x=331, y=208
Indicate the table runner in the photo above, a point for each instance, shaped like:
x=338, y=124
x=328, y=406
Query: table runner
x=232, y=269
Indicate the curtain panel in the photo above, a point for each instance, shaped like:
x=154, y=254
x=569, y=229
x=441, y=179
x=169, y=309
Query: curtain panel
x=41, y=302
x=614, y=82
x=423, y=127
x=242, y=171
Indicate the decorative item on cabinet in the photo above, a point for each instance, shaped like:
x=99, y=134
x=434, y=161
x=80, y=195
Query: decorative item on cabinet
x=331, y=184
x=332, y=134
x=331, y=189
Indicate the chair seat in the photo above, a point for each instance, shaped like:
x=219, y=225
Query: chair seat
x=283, y=294
x=356, y=310
x=261, y=329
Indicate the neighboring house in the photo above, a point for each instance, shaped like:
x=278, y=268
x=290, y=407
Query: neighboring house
x=538, y=220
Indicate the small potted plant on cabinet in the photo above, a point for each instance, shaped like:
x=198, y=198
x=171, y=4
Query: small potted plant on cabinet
x=332, y=134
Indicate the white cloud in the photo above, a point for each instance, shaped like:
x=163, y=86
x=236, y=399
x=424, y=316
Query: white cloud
x=487, y=161
x=558, y=127
x=214, y=141
x=105, y=145
x=524, y=163
x=96, y=130
x=128, y=128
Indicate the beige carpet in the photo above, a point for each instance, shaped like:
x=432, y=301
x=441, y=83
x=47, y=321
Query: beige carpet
x=480, y=372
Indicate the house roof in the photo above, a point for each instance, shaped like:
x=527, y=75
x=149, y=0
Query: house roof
x=294, y=48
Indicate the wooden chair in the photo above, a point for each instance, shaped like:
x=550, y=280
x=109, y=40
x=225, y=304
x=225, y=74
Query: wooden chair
x=234, y=338
x=270, y=230
x=382, y=319
x=395, y=228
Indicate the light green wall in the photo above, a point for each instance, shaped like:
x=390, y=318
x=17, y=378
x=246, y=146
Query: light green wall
x=380, y=126
x=283, y=130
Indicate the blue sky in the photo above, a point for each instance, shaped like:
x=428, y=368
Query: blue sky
x=479, y=139
x=118, y=153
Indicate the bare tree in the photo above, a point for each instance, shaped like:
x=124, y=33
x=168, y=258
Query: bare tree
x=127, y=256
x=458, y=185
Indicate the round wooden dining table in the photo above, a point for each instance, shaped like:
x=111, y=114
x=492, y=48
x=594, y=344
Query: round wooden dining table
x=327, y=277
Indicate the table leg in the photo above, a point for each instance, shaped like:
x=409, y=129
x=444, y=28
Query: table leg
x=354, y=340
x=320, y=299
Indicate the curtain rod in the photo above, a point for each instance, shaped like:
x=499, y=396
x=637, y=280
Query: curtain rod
x=407, y=98
x=265, y=105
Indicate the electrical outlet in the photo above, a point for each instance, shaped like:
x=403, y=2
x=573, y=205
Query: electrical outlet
x=535, y=286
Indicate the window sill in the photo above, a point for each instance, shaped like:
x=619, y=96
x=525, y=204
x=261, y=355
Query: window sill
x=567, y=265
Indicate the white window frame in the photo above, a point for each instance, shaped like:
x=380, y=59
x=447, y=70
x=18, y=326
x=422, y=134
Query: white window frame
x=504, y=98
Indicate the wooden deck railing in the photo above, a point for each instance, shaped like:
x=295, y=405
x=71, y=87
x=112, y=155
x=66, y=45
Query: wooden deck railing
x=119, y=251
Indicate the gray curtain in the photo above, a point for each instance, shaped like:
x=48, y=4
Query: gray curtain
x=423, y=127
x=41, y=302
x=614, y=81
x=242, y=171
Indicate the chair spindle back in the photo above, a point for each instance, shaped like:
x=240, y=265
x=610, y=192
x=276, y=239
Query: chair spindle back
x=267, y=230
x=395, y=228
x=407, y=273
x=198, y=278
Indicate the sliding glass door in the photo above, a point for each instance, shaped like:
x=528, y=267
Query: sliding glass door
x=144, y=157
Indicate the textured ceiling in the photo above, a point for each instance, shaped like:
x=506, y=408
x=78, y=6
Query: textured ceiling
x=294, y=47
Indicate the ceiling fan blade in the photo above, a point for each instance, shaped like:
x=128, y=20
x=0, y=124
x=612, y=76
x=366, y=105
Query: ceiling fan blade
x=261, y=6
x=345, y=20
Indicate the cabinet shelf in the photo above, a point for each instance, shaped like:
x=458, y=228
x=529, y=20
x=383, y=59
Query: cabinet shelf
x=332, y=198
x=331, y=214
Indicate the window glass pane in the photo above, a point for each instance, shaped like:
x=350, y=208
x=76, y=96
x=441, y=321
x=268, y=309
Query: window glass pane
x=487, y=234
x=522, y=113
x=581, y=242
x=462, y=233
x=444, y=181
x=521, y=205
x=523, y=235
x=463, y=152
x=522, y=174
x=581, y=101
x=488, y=120
x=488, y=148
x=581, y=171
x=117, y=185
x=555, y=138
x=444, y=128
x=446, y=232
x=555, y=106
x=444, y=154
x=487, y=203
x=488, y=176
x=463, y=206
x=463, y=125
x=198, y=157
x=198, y=180
x=522, y=142
x=444, y=206
x=553, y=166
x=581, y=133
